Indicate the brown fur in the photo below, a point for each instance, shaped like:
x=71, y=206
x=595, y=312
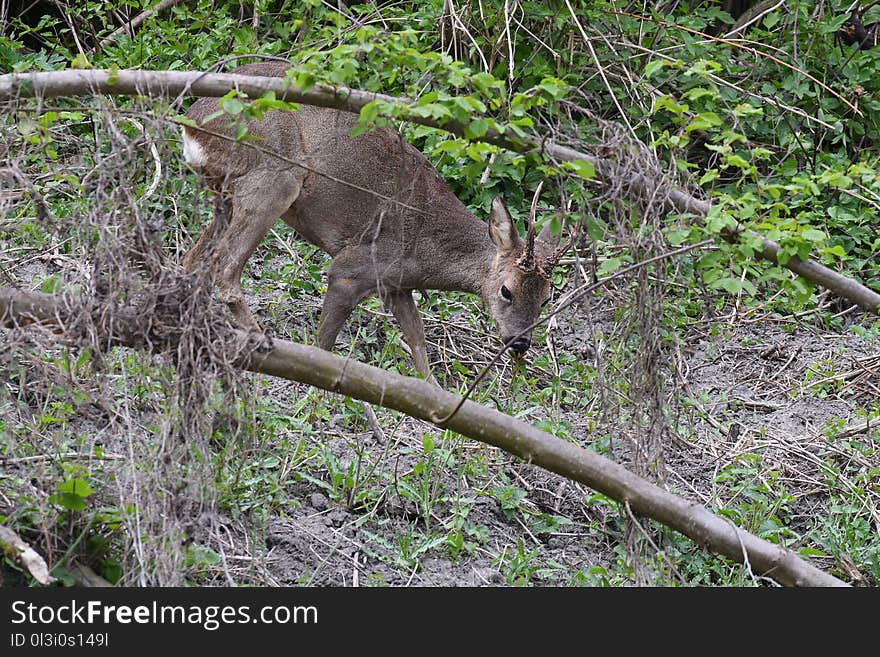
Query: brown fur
x=379, y=243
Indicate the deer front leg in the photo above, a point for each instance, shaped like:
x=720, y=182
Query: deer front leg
x=407, y=315
x=258, y=200
x=343, y=295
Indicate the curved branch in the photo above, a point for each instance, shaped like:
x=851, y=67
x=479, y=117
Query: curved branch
x=424, y=400
x=195, y=83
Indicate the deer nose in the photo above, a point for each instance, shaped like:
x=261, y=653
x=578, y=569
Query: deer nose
x=520, y=345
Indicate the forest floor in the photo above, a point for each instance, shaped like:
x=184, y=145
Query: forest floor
x=765, y=423
x=760, y=403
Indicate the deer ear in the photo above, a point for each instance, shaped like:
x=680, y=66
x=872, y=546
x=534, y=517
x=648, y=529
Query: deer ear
x=502, y=227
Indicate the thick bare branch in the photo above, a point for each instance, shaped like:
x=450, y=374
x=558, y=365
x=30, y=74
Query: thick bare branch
x=194, y=83
x=423, y=400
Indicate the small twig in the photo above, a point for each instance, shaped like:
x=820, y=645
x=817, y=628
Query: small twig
x=4, y=460
x=157, y=161
x=373, y=423
x=130, y=27
x=788, y=362
x=855, y=428
x=600, y=68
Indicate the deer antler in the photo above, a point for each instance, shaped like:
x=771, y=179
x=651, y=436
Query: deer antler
x=526, y=261
x=545, y=267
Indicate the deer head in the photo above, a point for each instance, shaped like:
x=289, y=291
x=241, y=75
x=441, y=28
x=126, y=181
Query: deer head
x=518, y=282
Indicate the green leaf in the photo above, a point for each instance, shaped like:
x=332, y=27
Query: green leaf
x=653, y=66
x=771, y=19
x=811, y=552
x=68, y=501
x=734, y=160
x=554, y=87
x=451, y=146
x=71, y=494
x=717, y=220
x=746, y=109
x=305, y=80
x=200, y=555
x=733, y=285
x=669, y=104
x=76, y=487
x=581, y=168
x=814, y=235
x=232, y=106
x=476, y=128
x=608, y=266
x=185, y=120
x=677, y=237
x=51, y=285
x=709, y=176
x=704, y=121
x=369, y=112
x=596, y=228
x=81, y=62
x=485, y=82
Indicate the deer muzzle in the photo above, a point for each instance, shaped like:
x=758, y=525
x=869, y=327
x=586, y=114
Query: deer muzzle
x=519, y=345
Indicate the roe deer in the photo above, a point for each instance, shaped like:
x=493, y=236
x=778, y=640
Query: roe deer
x=375, y=204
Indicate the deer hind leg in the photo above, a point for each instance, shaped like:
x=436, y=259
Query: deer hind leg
x=258, y=200
x=407, y=315
x=199, y=256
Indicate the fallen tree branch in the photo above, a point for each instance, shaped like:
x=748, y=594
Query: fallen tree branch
x=15, y=548
x=195, y=83
x=425, y=401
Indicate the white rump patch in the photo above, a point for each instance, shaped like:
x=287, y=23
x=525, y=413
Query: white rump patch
x=192, y=152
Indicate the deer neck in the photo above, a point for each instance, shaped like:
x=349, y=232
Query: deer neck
x=462, y=258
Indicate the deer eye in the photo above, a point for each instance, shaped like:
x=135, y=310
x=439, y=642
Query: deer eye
x=506, y=293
